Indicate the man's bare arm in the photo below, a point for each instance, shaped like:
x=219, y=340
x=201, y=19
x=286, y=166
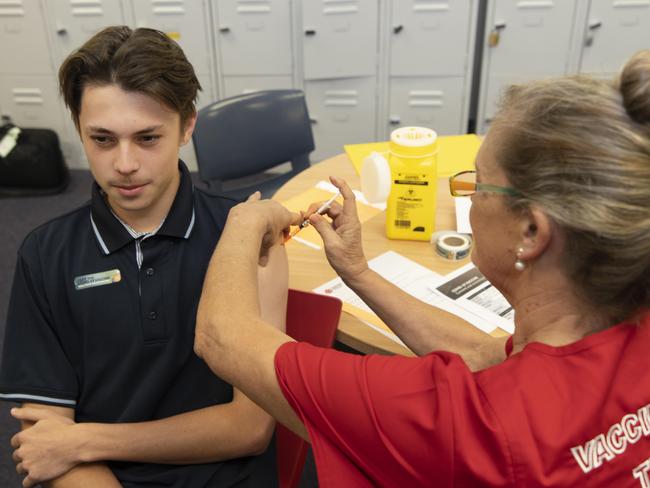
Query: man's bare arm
x=80, y=476
x=231, y=335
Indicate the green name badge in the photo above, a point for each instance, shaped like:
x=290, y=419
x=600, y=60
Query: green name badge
x=97, y=279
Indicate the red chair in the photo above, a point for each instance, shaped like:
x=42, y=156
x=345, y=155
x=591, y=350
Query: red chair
x=311, y=318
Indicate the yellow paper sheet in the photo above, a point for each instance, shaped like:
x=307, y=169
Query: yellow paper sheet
x=309, y=236
x=455, y=153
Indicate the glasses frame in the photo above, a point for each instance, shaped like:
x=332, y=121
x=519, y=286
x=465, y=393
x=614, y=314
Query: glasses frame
x=480, y=187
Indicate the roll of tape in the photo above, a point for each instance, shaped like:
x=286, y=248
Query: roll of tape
x=452, y=245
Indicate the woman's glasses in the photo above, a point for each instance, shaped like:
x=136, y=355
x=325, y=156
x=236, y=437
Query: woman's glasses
x=464, y=184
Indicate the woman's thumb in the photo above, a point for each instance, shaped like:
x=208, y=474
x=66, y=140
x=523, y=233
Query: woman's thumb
x=323, y=227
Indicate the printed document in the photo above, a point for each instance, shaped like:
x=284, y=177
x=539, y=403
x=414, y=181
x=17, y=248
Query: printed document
x=414, y=279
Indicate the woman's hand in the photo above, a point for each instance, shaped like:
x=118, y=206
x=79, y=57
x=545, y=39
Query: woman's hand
x=342, y=236
x=266, y=218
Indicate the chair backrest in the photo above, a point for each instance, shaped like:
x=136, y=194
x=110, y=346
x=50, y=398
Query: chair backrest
x=247, y=134
x=311, y=318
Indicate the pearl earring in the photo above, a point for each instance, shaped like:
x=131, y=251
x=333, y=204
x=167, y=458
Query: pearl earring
x=519, y=264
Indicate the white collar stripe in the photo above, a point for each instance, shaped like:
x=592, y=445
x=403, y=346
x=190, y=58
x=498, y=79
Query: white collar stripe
x=191, y=226
x=98, y=235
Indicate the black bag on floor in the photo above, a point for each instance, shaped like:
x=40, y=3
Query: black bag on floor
x=34, y=165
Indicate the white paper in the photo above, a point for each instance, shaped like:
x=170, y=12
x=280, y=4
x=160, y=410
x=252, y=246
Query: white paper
x=463, y=204
x=411, y=277
x=468, y=289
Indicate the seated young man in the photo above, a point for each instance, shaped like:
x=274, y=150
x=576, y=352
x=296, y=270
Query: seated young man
x=100, y=329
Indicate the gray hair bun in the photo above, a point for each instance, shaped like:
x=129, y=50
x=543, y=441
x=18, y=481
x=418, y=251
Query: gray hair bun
x=634, y=85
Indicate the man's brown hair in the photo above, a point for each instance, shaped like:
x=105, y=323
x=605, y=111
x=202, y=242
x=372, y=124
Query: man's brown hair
x=142, y=60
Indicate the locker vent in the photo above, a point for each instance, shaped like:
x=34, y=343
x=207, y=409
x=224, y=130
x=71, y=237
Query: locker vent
x=334, y=7
x=341, y=98
x=168, y=7
x=253, y=6
x=426, y=98
x=430, y=6
x=86, y=8
x=535, y=4
x=631, y=3
x=27, y=96
x=12, y=8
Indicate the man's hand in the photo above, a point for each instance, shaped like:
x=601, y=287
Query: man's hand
x=341, y=237
x=46, y=450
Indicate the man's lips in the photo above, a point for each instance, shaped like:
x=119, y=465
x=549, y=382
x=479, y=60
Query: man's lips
x=130, y=189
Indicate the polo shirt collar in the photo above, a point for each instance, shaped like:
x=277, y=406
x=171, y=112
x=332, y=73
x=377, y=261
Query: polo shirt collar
x=111, y=234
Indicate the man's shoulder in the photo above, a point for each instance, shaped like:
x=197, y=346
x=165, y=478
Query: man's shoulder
x=59, y=230
x=212, y=203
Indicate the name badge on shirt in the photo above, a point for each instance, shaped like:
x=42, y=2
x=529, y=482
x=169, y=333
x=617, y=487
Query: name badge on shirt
x=97, y=279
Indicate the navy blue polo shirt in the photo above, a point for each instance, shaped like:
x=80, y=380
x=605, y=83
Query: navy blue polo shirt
x=103, y=322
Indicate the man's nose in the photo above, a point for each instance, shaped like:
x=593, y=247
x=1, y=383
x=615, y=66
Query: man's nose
x=125, y=160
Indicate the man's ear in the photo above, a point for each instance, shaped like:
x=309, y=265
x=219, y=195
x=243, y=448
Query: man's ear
x=536, y=233
x=188, y=129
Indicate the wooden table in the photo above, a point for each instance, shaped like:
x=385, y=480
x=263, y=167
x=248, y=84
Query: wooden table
x=308, y=268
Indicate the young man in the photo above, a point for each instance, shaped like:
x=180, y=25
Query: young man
x=100, y=328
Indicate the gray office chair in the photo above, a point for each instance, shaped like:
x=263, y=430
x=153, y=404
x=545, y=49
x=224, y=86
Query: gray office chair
x=238, y=139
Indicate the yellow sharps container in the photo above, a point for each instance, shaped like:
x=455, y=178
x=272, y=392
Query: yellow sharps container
x=411, y=204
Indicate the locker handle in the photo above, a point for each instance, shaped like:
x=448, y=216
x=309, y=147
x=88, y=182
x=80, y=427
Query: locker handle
x=60, y=30
x=397, y=29
x=224, y=30
x=313, y=120
x=310, y=32
x=595, y=24
x=394, y=120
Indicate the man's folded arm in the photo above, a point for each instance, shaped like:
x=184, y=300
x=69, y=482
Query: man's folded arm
x=81, y=475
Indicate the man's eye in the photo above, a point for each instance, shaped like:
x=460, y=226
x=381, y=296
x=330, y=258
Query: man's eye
x=101, y=140
x=149, y=139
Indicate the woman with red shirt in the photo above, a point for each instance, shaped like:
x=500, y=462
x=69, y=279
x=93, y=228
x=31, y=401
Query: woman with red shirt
x=561, y=221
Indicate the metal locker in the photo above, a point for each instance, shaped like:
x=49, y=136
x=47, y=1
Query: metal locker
x=32, y=101
x=74, y=23
x=436, y=103
x=184, y=21
x=339, y=38
x=430, y=38
x=524, y=40
x=254, y=38
x=615, y=30
x=25, y=48
x=342, y=112
x=530, y=37
x=236, y=85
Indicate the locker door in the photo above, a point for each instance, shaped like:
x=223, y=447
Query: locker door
x=75, y=22
x=25, y=48
x=236, y=85
x=615, y=31
x=534, y=37
x=32, y=101
x=534, y=41
x=343, y=112
x=429, y=38
x=436, y=103
x=254, y=38
x=184, y=21
x=339, y=38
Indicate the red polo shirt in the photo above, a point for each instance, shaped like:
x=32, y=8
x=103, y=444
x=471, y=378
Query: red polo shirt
x=577, y=415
